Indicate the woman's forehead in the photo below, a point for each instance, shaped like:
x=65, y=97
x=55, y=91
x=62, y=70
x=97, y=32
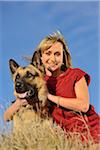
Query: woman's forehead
x=50, y=45
x=46, y=45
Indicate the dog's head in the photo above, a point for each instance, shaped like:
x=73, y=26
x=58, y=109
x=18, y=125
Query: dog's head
x=28, y=83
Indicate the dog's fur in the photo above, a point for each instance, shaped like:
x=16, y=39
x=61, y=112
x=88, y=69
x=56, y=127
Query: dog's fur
x=29, y=84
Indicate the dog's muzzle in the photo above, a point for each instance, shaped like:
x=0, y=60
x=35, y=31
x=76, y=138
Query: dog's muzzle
x=20, y=87
x=24, y=90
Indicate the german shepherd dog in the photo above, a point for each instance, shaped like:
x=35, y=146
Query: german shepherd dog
x=29, y=84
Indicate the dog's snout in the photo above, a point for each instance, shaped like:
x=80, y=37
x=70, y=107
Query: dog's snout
x=20, y=87
x=19, y=84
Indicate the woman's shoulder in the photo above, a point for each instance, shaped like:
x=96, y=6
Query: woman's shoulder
x=78, y=73
x=76, y=69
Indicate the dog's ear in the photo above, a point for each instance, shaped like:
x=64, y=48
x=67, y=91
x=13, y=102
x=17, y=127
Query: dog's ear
x=36, y=59
x=13, y=66
x=37, y=62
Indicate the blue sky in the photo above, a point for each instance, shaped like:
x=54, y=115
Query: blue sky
x=24, y=24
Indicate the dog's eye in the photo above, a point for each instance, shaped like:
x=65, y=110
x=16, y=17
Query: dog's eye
x=36, y=74
x=18, y=76
x=29, y=75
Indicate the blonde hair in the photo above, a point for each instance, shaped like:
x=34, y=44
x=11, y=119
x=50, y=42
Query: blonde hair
x=46, y=43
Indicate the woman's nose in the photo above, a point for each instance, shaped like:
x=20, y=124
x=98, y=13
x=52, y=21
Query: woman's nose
x=52, y=57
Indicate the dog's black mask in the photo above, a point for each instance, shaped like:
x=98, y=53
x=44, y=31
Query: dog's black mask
x=21, y=87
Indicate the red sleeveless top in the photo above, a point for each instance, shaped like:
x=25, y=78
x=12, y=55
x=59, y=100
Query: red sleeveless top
x=63, y=86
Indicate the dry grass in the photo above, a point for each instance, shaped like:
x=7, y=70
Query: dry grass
x=43, y=135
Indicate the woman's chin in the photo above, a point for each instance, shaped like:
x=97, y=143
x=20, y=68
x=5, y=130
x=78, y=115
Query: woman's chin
x=53, y=69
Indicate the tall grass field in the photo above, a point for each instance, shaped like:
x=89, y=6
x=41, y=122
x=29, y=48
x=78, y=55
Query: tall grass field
x=39, y=134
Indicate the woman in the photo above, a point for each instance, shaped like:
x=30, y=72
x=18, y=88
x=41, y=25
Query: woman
x=68, y=88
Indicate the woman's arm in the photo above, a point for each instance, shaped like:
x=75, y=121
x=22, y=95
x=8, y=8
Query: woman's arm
x=80, y=103
x=8, y=114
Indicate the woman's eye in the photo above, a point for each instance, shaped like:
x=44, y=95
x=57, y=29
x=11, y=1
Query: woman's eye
x=48, y=53
x=57, y=54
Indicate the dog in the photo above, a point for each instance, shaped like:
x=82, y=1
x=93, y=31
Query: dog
x=29, y=84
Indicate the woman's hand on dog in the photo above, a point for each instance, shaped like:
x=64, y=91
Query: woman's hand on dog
x=48, y=72
x=21, y=102
x=9, y=113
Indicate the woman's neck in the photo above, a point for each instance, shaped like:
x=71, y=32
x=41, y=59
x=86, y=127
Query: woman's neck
x=57, y=72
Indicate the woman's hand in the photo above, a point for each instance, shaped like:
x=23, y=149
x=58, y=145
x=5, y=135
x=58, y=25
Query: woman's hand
x=48, y=72
x=21, y=102
x=9, y=113
x=53, y=98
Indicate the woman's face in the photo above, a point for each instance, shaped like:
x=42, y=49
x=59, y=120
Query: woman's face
x=52, y=58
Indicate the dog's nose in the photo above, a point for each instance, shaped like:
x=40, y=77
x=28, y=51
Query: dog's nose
x=20, y=87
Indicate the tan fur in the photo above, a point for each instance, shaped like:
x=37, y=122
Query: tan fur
x=27, y=113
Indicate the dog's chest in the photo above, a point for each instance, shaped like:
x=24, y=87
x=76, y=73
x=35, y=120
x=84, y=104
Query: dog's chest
x=24, y=116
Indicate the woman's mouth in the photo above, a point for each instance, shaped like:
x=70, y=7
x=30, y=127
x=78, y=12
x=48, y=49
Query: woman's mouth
x=53, y=64
x=52, y=68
